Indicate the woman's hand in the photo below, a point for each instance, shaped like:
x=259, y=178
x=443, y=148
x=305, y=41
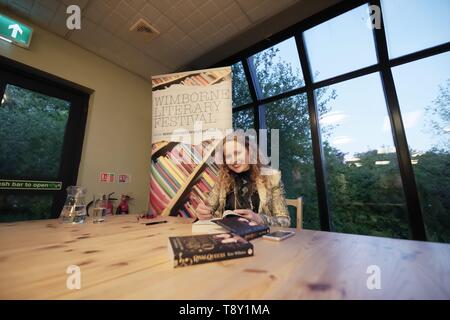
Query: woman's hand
x=250, y=215
x=204, y=211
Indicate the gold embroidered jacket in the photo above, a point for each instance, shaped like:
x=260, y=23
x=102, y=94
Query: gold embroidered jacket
x=272, y=202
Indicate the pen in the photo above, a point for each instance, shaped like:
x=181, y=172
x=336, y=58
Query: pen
x=155, y=222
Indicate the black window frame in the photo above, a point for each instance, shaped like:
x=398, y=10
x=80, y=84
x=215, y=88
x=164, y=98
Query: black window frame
x=383, y=66
x=24, y=76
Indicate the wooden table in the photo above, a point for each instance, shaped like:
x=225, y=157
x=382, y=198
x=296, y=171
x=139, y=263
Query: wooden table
x=121, y=259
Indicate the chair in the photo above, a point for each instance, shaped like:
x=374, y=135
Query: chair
x=298, y=204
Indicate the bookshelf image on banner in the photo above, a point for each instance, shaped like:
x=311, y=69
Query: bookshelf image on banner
x=182, y=174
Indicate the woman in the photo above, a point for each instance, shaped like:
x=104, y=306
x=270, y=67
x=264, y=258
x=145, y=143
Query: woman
x=243, y=188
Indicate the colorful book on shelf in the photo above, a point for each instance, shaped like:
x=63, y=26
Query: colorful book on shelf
x=182, y=172
x=204, y=248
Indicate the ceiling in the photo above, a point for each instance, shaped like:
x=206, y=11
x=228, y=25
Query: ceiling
x=188, y=28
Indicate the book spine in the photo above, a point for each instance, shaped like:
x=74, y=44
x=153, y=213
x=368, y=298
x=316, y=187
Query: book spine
x=194, y=259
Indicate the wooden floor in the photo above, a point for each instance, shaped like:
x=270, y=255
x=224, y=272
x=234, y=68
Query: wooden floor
x=122, y=259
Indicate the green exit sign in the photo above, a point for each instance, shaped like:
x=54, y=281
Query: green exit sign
x=15, y=32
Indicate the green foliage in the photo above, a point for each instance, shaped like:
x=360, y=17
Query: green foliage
x=31, y=133
x=32, y=127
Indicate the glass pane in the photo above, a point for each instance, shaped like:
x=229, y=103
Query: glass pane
x=243, y=119
x=341, y=45
x=241, y=93
x=413, y=25
x=32, y=127
x=14, y=207
x=290, y=117
x=278, y=68
x=364, y=182
x=423, y=89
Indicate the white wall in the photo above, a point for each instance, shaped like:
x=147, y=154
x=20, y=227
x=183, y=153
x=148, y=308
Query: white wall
x=117, y=137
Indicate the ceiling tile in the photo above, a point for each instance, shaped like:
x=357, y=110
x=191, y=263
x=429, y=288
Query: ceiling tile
x=185, y=7
x=26, y=5
x=97, y=11
x=247, y=5
x=151, y=13
x=125, y=10
x=176, y=33
x=161, y=5
x=222, y=4
x=209, y=9
x=137, y=4
x=186, y=25
x=174, y=14
x=233, y=11
x=49, y=4
x=163, y=24
x=220, y=19
x=80, y=3
x=114, y=22
x=197, y=18
x=43, y=15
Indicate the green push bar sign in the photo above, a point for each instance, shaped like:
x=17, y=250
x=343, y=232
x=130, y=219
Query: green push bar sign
x=15, y=32
x=29, y=185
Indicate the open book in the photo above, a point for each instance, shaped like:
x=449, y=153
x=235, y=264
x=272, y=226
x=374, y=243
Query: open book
x=210, y=226
x=231, y=222
x=241, y=226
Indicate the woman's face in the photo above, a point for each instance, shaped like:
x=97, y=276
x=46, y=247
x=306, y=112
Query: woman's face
x=236, y=156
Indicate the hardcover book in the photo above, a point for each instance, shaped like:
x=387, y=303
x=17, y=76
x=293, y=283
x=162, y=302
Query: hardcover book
x=241, y=226
x=197, y=249
x=187, y=108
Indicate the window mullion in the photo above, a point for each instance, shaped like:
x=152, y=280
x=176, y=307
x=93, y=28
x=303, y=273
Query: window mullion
x=319, y=163
x=398, y=130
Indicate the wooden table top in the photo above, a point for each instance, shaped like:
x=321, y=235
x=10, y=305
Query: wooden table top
x=121, y=259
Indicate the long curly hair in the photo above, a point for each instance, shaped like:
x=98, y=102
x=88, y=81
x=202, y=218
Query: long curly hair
x=225, y=176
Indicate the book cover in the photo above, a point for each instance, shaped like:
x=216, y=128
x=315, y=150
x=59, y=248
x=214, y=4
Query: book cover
x=197, y=249
x=241, y=226
x=191, y=112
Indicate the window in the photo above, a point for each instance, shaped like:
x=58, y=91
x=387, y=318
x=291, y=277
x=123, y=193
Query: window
x=413, y=25
x=290, y=116
x=32, y=130
x=240, y=92
x=363, y=176
x=341, y=45
x=423, y=89
x=16, y=207
x=278, y=69
x=42, y=121
x=360, y=182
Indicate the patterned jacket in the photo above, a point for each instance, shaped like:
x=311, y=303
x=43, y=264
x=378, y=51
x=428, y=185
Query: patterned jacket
x=272, y=202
